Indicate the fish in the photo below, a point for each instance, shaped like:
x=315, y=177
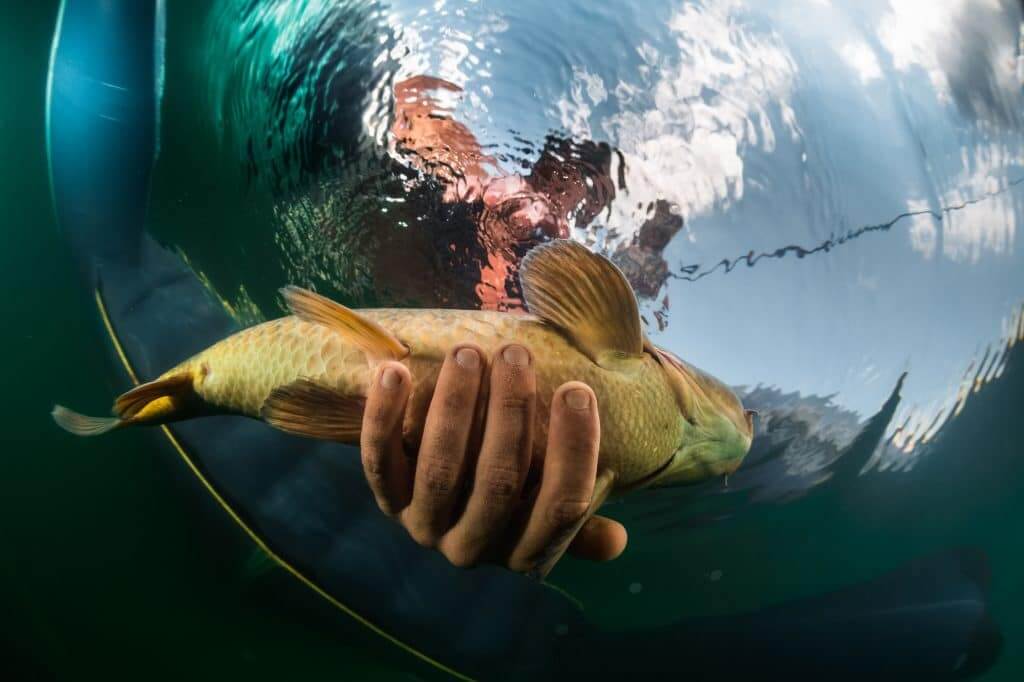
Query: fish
x=663, y=421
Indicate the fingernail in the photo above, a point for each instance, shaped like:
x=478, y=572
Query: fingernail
x=467, y=358
x=390, y=377
x=577, y=399
x=516, y=356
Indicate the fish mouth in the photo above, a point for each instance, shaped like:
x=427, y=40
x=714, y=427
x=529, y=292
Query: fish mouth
x=651, y=476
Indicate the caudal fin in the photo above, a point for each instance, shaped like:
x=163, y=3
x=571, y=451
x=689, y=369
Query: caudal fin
x=154, y=402
x=81, y=425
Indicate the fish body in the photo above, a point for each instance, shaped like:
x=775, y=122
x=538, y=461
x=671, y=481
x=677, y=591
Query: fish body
x=662, y=420
x=640, y=423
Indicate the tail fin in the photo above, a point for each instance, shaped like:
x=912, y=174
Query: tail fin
x=81, y=425
x=154, y=402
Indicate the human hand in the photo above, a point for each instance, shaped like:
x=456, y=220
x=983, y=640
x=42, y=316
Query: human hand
x=471, y=502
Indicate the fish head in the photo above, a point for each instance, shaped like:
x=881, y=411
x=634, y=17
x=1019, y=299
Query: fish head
x=717, y=432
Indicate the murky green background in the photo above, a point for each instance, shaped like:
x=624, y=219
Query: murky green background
x=106, y=569
x=104, y=572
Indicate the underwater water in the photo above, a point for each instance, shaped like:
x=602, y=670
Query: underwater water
x=815, y=201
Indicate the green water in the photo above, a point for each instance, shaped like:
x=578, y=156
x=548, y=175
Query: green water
x=104, y=573
x=107, y=571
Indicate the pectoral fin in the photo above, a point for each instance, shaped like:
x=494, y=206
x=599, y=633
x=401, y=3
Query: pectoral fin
x=306, y=408
x=586, y=296
x=367, y=335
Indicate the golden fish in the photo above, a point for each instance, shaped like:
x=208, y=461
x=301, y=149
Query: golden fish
x=662, y=420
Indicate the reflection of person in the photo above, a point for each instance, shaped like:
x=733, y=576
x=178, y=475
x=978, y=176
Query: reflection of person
x=487, y=506
x=510, y=212
x=507, y=212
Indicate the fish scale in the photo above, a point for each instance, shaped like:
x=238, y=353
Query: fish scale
x=662, y=420
x=640, y=423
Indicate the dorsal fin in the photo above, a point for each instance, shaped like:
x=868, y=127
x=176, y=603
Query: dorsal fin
x=367, y=335
x=586, y=296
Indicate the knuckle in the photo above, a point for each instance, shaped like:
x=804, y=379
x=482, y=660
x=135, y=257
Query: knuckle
x=566, y=513
x=384, y=505
x=512, y=446
x=444, y=439
x=500, y=489
x=501, y=484
x=460, y=558
x=373, y=461
x=439, y=479
x=513, y=402
x=457, y=400
x=423, y=535
x=378, y=420
x=375, y=441
x=579, y=446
